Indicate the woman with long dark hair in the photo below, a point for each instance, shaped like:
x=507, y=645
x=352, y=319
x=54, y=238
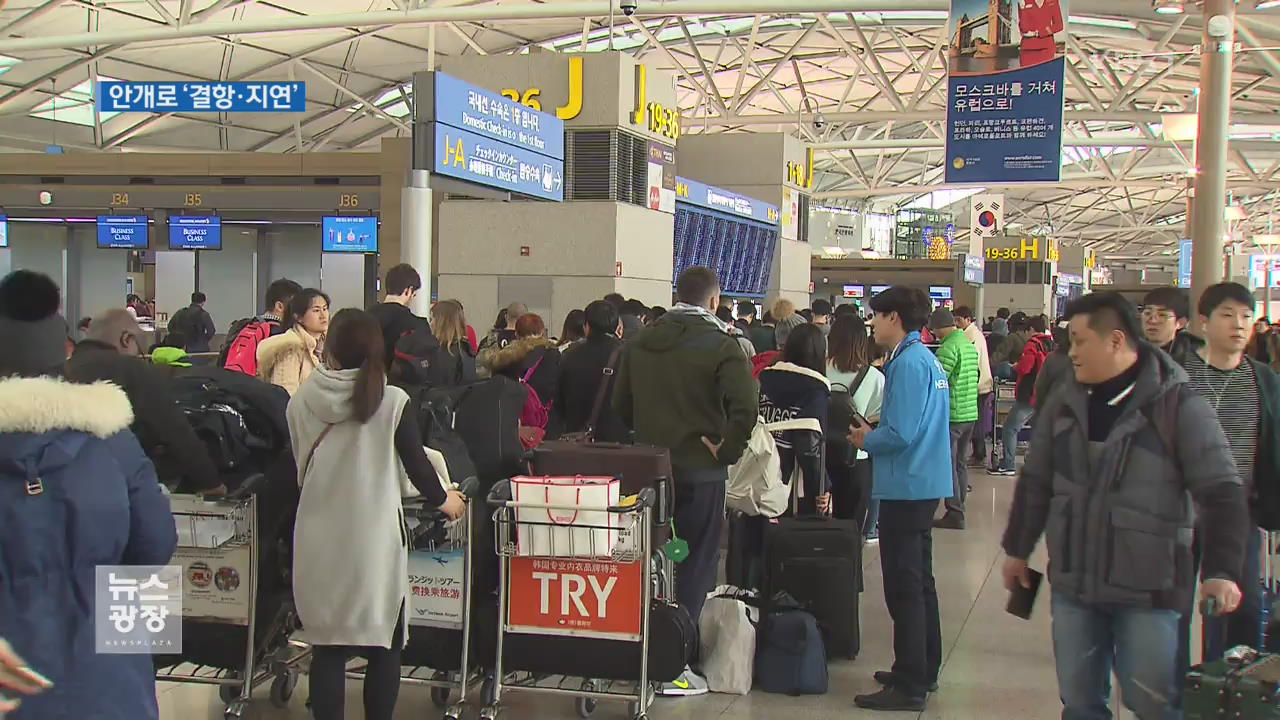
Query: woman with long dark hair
x=795, y=388
x=575, y=329
x=855, y=380
x=354, y=445
x=289, y=358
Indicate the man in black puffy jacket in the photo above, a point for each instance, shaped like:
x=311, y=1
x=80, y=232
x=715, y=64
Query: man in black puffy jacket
x=110, y=351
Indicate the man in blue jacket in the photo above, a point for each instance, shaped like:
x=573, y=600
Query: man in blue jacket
x=911, y=449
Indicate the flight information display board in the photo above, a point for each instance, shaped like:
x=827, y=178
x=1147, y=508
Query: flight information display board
x=738, y=249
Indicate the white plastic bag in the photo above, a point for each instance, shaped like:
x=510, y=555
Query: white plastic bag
x=588, y=530
x=727, y=634
x=755, y=484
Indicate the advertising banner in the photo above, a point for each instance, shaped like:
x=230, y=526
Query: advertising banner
x=596, y=597
x=435, y=588
x=662, y=177
x=215, y=582
x=1005, y=90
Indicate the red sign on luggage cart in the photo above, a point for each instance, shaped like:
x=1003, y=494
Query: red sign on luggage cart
x=597, y=598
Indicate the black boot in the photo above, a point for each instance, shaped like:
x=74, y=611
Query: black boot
x=890, y=698
x=889, y=679
x=950, y=521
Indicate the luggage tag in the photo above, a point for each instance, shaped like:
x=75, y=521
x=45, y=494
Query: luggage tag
x=677, y=549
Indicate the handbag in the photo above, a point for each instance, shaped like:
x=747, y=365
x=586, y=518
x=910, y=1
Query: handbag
x=589, y=530
x=589, y=433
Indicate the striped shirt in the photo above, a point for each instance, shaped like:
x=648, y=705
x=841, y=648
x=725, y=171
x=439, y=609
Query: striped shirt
x=1234, y=396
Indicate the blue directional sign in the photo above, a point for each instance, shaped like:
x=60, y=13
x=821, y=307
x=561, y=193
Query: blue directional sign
x=195, y=232
x=489, y=114
x=122, y=231
x=1184, y=263
x=4, y=231
x=468, y=156
x=350, y=233
x=201, y=97
x=709, y=196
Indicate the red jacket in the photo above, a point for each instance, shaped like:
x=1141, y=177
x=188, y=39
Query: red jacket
x=762, y=361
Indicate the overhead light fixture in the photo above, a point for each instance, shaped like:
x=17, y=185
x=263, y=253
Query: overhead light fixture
x=1265, y=4
x=1168, y=7
x=1234, y=212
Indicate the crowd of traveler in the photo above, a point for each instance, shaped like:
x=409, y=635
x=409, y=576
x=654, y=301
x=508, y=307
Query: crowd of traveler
x=1124, y=444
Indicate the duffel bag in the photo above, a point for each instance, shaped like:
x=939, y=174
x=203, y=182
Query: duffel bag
x=791, y=658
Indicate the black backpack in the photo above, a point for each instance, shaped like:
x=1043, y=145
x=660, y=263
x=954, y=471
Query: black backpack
x=839, y=417
x=418, y=360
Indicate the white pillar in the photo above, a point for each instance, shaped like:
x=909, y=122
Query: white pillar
x=415, y=233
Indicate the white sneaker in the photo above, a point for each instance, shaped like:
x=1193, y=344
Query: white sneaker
x=687, y=685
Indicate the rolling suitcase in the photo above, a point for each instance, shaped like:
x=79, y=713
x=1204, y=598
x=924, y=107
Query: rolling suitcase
x=818, y=561
x=1245, y=686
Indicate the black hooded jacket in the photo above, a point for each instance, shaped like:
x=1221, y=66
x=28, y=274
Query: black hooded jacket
x=792, y=392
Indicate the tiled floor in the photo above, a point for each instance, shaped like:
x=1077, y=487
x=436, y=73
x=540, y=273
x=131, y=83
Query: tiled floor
x=996, y=666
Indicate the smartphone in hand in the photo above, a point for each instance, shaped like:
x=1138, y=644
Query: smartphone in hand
x=1021, y=599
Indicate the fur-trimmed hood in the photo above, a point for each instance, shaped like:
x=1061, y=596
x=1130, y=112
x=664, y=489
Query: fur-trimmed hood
x=293, y=341
x=44, y=404
x=514, y=355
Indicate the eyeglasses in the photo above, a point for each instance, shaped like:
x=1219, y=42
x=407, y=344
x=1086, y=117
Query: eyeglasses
x=1154, y=314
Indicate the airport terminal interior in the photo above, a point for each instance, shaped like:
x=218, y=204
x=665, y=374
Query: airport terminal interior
x=174, y=159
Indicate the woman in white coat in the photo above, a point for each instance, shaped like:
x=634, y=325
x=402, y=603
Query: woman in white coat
x=354, y=443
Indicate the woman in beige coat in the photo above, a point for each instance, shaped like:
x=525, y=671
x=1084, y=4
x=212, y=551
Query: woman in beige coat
x=287, y=359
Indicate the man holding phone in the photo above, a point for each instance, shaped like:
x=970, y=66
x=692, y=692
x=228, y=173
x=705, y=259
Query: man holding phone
x=1118, y=455
x=911, y=454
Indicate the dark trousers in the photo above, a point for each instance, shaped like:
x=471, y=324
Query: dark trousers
x=699, y=520
x=851, y=491
x=986, y=425
x=906, y=558
x=328, y=678
x=960, y=436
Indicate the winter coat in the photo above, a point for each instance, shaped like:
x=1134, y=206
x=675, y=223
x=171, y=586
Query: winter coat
x=514, y=360
x=761, y=337
x=792, y=392
x=288, y=359
x=1035, y=353
x=396, y=320
x=1119, y=527
x=158, y=422
x=350, y=565
x=682, y=379
x=1010, y=348
x=986, y=383
x=959, y=360
x=911, y=448
x=76, y=492
x=493, y=342
x=195, y=324
x=581, y=372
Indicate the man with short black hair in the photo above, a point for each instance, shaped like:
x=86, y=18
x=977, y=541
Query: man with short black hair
x=683, y=384
x=240, y=351
x=402, y=285
x=1119, y=457
x=1165, y=314
x=587, y=369
x=911, y=461
x=194, y=324
x=822, y=315
x=1245, y=396
x=761, y=337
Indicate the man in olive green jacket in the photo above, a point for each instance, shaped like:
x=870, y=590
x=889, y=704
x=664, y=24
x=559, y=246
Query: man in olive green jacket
x=684, y=384
x=959, y=359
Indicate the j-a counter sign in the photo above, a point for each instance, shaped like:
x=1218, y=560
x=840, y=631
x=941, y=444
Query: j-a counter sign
x=485, y=138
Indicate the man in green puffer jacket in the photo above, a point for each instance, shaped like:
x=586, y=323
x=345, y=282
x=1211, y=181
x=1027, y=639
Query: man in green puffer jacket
x=959, y=358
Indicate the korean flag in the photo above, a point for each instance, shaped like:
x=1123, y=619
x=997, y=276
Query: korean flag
x=986, y=218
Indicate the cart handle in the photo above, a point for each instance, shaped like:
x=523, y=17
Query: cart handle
x=248, y=487
x=428, y=514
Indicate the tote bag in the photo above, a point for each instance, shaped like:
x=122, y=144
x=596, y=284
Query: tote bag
x=588, y=529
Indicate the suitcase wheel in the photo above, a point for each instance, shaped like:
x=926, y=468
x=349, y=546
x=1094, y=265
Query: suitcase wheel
x=585, y=705
x=282, y=688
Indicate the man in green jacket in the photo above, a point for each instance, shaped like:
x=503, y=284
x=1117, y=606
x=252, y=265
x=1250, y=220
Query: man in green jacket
x=959, y=359
x=685, y=385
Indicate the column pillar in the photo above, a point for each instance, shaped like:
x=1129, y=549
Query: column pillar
x=1209, y=201
x=415, y=233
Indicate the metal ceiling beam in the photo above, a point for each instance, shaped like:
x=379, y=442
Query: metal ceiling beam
x=467, y=39
x=164, y=14
x=31, y=16
x=34, y=85
x=763, y=82
x=354, y=96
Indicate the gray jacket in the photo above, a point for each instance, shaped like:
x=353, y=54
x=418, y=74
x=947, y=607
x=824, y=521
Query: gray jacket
x=1119, y=530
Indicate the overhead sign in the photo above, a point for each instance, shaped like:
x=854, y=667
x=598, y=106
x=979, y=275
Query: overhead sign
x=597, y=598
x=487, y=139
x=4, y=231
x=1184, y=263
x=854, y=291
x=195, y=232
x=349, y=233
x=975, y=269
x=1005, y=91
x=709, y=196
x=662, y=177
x=197, y=97
x=122, y=231
x=1023, y=248
x=495, y=117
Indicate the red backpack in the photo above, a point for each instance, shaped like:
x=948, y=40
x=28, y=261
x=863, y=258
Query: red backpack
x=240, y=354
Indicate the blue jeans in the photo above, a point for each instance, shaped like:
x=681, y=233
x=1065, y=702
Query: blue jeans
x=1140, y=643
x=1018, y=416
x=870, y=529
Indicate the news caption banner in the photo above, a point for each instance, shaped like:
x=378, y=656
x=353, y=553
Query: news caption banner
x=138, y=609
x=485, y=138
x=198, y=97
x=1005, y=90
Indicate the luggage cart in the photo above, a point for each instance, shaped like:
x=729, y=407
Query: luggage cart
x=216, y=539
x=440, y=589
x=578, y=556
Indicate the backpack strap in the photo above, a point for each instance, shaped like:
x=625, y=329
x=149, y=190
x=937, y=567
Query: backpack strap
x=857, y=382
x=529, y=373
x=306, y=465
x=601, y=390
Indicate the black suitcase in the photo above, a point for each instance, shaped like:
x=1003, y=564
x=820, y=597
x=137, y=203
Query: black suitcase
x=486, y=415
x=818, y=561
